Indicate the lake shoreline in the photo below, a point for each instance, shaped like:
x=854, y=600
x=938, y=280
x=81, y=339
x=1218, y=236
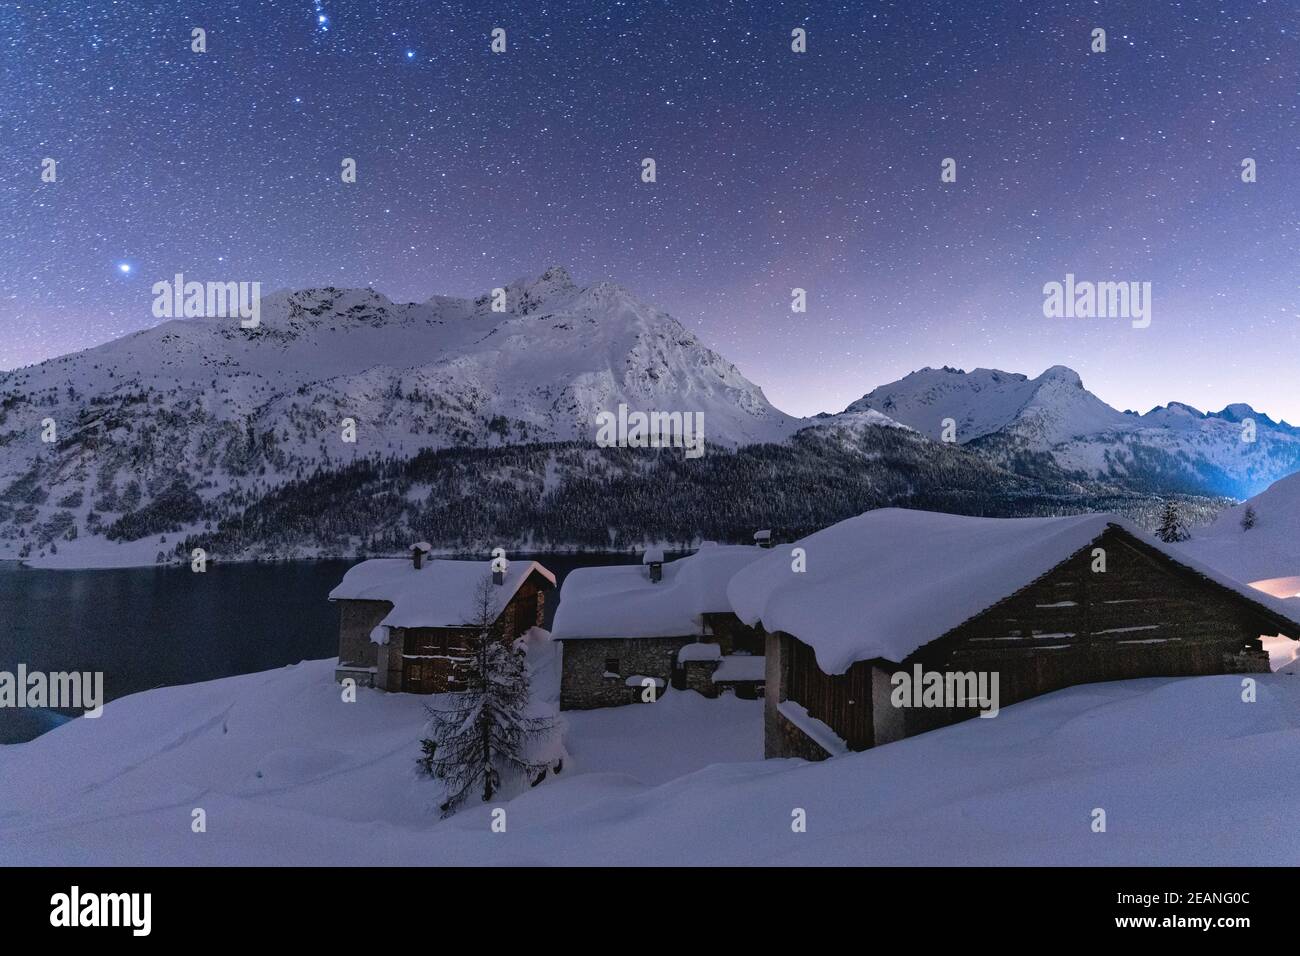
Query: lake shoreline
x=102, y=561
x=166, y=626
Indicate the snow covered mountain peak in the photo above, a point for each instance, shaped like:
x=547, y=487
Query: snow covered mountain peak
x=204, y=405
x=295, y=311
x=196, y=410
x=1240, y=412
x=1054, y=405
x=555, y=280
x=1062, y=374
x=1022, y=422
x=1181, y=415
x=532, y=294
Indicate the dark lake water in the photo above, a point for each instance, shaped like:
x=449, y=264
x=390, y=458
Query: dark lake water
x=153, y=627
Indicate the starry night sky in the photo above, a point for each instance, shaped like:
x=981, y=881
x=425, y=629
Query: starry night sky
x=775, y=170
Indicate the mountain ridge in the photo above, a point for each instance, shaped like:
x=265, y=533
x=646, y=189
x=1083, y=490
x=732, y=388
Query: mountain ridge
x=192, y=420
x=1021, y=422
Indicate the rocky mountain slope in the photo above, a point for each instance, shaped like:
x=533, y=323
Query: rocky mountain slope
x=199, y=429
x=1053, y=423
x=199, y=410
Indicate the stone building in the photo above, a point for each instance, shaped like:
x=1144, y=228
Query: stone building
x=893, y=601
x=408, y=624
x=664, y=622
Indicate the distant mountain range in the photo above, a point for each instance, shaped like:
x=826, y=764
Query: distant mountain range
x=1052, y=422
x=194, y=424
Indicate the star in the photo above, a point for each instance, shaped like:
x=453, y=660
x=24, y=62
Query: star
x=775, y=169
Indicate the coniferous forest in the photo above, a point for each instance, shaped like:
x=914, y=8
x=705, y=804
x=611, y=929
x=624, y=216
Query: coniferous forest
x=571, y=495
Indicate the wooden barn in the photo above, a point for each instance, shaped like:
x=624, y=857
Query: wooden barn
x=407, y=624
x=669, y=622
x=1031, y=604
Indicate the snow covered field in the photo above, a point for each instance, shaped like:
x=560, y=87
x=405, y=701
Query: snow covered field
x=1267, y=554
x=288, y=774
x=93, y=551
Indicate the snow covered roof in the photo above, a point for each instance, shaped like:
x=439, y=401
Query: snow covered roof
x=440, y=594
x=741, y=667
x=885, y=583
x=622, y=601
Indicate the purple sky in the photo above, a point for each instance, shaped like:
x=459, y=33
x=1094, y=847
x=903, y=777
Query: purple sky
x=775, y=170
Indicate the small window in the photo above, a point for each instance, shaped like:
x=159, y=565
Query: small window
x=611, y=665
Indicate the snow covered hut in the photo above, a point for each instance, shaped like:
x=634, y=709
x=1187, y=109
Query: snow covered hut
x=621, y=624
x=406, y=624
x=1042, y=603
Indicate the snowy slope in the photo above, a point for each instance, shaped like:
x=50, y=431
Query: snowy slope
x=183, y=425
x=555, y=357
x=1013, y=418
x=1267, y=555
x=203, y=407
x=1053, y=406
x=288, y=774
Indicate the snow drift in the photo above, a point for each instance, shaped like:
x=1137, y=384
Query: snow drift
x=1187, y=772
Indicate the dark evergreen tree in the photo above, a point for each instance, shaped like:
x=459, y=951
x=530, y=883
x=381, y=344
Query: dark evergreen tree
x=1171, y=524
x=1248, y=518
x=480, y=737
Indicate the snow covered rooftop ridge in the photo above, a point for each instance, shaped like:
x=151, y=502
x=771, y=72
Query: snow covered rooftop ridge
x=885, y=583
x=622, y=601
x=440, y=594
